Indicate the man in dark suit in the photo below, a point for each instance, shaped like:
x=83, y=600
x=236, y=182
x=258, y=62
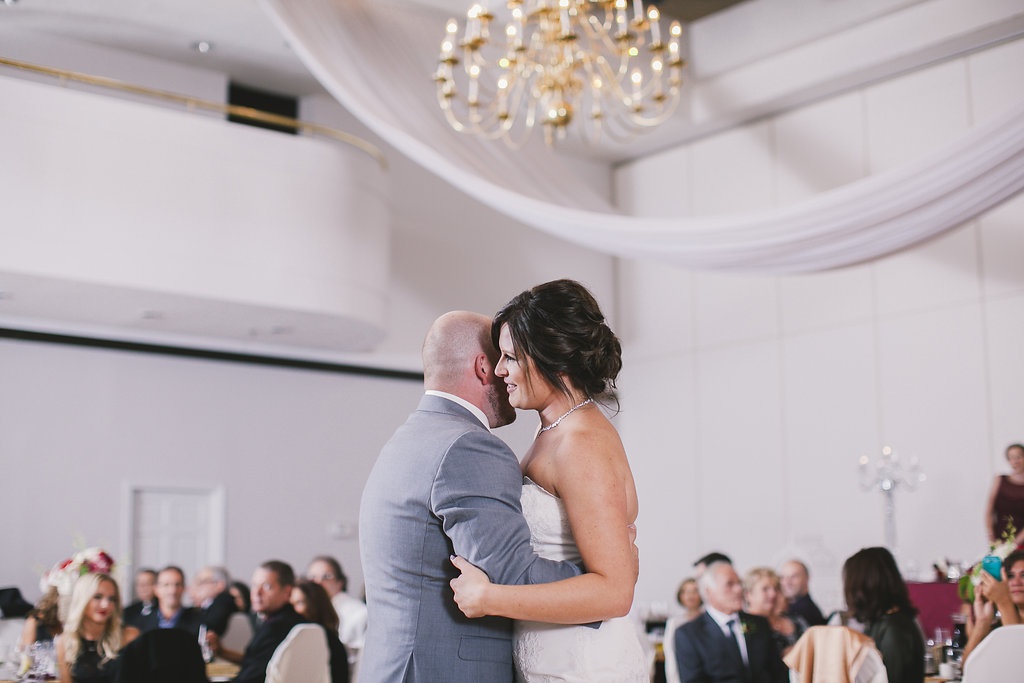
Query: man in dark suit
x=210, y=594
x=794, y=577
x=272, y=585
x=725, y=644
x=145, y=598
x=170, y=613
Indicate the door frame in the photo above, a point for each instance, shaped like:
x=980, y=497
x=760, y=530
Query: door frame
x=217, y=544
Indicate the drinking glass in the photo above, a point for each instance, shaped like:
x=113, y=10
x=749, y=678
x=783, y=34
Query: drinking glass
x=44, y=661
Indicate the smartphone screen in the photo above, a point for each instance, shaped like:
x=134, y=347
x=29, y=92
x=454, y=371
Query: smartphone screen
x=993, y=565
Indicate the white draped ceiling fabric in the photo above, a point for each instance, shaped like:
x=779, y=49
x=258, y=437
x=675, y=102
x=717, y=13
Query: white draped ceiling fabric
x=377, y=61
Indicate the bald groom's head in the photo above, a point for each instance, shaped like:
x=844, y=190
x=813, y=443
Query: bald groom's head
x=459, y=359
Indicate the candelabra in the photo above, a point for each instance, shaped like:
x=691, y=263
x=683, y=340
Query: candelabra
x=888, y=474
x=554, y=62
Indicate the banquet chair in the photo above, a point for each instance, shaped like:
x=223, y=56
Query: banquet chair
x=163, y=655
x=238, y=633
x=303, y=657
x=999, y=658
x=835, y=654
x=668, y=648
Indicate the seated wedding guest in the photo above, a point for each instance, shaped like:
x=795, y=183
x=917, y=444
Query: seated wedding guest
x=145, y=597
x=707, y=560
x=725, y=644
x=170, y=612
x=795, y=580
x=1006, y=500
x=87, y=649
x=240, y=593
x=763, y=592
x=877, y=597
x=271, y=593
x=311, y=602
x=326, y=571
x=43, y=622
x=210, y=594
x=688, y=597
x=1005, y=597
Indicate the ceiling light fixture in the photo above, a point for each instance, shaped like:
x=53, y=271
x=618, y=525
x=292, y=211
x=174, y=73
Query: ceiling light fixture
x=556, y=62
x=202, y=46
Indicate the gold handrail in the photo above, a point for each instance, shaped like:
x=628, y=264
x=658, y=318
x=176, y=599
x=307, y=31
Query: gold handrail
x=196, y=103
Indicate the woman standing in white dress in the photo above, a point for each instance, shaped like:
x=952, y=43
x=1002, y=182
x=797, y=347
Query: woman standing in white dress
x=558, y=357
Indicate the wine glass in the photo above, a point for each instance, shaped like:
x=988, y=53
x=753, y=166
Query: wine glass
x=44, y=661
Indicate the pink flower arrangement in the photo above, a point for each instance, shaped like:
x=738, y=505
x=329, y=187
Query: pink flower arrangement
x=63, y=575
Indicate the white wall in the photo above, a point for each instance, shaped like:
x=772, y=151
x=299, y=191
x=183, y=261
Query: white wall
x=749, y=399
x=291, y=447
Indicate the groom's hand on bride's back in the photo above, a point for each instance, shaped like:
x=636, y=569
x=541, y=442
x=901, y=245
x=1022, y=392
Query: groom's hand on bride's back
x=470, y=587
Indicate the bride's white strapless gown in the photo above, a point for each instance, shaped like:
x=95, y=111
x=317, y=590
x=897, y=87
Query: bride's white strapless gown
x=578, y=654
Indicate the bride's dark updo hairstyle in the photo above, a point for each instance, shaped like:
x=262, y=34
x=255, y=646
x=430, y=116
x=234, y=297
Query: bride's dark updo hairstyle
x=561, y=328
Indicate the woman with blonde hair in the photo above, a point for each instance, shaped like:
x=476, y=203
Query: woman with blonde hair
x=762, y=589
x=92, y=637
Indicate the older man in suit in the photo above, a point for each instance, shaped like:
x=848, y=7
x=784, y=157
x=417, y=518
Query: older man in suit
x=210, y=594
x=444, y=485
x=725, y=644
x=794, y=577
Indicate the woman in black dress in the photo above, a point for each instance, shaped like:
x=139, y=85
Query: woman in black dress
x=87, y=649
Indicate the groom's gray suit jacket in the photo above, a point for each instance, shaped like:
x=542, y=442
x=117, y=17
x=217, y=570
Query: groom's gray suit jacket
x=442, y=485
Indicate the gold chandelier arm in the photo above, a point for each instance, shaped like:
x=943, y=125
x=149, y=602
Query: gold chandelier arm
x=206, y=105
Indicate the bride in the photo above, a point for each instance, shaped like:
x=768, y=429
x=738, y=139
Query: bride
x=558, y=357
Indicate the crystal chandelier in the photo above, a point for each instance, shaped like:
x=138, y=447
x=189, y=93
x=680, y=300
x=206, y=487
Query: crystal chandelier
x=600, y=64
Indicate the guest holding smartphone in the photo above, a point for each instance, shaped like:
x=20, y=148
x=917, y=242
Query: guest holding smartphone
x=1006, y=596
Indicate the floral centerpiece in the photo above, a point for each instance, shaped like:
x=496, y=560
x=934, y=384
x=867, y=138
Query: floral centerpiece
x=1006, y=545
x=63, y=575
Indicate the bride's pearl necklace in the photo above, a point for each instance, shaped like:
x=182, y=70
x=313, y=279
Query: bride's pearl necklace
x=567, y=414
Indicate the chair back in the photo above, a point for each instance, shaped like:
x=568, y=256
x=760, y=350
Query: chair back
x=668, y=648
x=835, y=654
x=238, y=633
x=999, y=658
x=302, y=657
x=163, y=655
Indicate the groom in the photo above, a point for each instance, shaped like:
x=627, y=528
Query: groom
x=444, y=485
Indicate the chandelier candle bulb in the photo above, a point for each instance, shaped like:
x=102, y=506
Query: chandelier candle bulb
x=653, y=17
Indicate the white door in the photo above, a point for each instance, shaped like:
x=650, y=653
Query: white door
x=179, y=526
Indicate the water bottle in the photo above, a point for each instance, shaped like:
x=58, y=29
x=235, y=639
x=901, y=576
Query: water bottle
x=204, y=644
